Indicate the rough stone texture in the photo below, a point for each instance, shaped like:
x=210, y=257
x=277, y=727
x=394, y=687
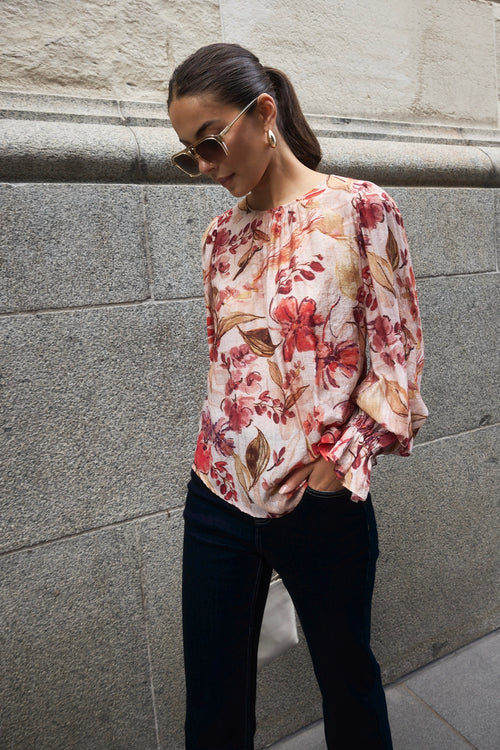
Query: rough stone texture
x=177, y=216
x=69, y=245
x=100, y=406
x=100, y=416
x=41, y=151
x=74, y=663
x=161, y=550
x=111, y=47
x=72, y=149
x=498, y=227
x=343, y=58
x=496, y=12
x=346, y=60
x=437, y=580
x=449, y=231
x=412, y=164
x=460, y=335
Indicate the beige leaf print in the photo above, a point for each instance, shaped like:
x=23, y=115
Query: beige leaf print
x=241, y=472
x=262, y=236
x=409, y=335
x=225, y=324
x=397, y=398
x=331, y=223
x=337, y=183
x=257, y=456
x=294, y=397
x=392, y=250
x=275, y=373
x=259, y=341
x=381, y=271
x=245, y=259
x=347, y=269
x=418, y=417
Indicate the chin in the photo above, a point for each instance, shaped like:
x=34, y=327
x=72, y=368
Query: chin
x=238, y=193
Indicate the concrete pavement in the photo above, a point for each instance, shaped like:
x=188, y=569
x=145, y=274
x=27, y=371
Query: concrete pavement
x=451, y=704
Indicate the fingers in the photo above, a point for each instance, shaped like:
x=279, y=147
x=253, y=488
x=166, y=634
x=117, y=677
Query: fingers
x=296, y=478
x=321, y=476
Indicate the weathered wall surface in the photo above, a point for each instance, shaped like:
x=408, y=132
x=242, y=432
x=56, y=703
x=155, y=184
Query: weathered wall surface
x=103, y=364
x=103, y=356
x=110, y=48
x=412, y=60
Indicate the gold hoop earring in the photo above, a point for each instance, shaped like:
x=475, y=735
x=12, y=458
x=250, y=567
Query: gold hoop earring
x=271, y=139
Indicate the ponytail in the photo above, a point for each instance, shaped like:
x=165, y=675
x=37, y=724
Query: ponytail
x=235, y=76
x=292, y=124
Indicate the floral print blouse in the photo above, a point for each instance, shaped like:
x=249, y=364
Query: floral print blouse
x=315, y=343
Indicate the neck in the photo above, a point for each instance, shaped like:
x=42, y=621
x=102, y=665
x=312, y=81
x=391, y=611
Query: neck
x=285, y=179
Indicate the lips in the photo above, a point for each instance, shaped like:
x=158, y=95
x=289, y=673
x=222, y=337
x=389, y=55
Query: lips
x=225, y=181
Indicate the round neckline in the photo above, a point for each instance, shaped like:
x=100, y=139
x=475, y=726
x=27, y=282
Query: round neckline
x=244, y=205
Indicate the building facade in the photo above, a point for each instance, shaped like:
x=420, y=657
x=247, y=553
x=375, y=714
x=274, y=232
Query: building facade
x=104, y=350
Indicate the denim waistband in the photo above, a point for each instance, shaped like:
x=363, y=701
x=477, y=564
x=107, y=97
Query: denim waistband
x=207, y=494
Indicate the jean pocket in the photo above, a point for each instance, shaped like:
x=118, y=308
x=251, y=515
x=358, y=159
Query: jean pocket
x=330, y=495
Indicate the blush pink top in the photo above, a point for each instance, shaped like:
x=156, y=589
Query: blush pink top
x=315, y=343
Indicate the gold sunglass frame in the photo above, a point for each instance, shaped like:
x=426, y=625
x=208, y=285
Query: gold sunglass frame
x=219, y=138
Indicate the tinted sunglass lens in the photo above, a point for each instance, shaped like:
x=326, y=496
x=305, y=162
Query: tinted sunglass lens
x=188, y=163
x=211, y=150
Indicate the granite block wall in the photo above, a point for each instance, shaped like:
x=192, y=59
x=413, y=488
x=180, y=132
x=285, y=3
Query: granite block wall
x=103, y=372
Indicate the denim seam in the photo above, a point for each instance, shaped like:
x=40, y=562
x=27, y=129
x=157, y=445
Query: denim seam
x=251, y=628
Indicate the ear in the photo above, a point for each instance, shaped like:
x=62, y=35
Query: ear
x=266, y=107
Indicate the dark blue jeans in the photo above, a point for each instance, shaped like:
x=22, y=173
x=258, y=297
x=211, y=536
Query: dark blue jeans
x=325, y=550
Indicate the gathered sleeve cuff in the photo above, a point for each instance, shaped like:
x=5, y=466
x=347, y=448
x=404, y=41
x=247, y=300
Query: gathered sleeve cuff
x=387, y=408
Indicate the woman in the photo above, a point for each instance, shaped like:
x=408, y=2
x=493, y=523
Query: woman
x=303, y=277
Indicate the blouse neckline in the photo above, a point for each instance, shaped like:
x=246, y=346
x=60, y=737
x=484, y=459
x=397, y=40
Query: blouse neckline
x=243, y=205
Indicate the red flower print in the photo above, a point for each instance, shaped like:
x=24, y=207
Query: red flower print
x=241, y=355
x=373, y=440
x=224, y=295
x=371, y=212
x=239, y=414
x=297, y=325
x=225, y=218
x=332, y=357
x=202, y=455
x=215, y=434
x=220, y=239
x=211, y=335
x=383, y=332
x=223, y=268
x=224, y=481
x=313, y=421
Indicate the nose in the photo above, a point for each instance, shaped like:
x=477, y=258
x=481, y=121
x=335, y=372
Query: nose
x=204, y=166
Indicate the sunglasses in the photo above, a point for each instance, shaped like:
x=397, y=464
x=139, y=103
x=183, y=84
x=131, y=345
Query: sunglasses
x=211, y=149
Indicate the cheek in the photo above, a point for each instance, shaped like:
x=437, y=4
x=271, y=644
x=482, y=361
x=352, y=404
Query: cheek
x=250, y=161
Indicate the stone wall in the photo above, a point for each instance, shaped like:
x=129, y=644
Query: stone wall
x=104, y=355
x=413, y=60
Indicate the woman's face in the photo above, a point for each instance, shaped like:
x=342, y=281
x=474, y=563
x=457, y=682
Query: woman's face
x=194, y=117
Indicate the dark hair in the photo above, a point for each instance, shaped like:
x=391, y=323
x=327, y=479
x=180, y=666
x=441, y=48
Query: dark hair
x=235, y=76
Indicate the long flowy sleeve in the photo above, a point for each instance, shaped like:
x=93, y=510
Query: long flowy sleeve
x=387, y=406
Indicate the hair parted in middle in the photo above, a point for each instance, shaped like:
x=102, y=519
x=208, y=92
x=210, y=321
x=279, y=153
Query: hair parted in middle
x=234, y=75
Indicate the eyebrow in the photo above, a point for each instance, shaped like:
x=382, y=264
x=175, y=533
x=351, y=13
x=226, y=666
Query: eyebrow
x=198, y=133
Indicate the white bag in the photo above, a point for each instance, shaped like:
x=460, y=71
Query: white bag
x=279, y=626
